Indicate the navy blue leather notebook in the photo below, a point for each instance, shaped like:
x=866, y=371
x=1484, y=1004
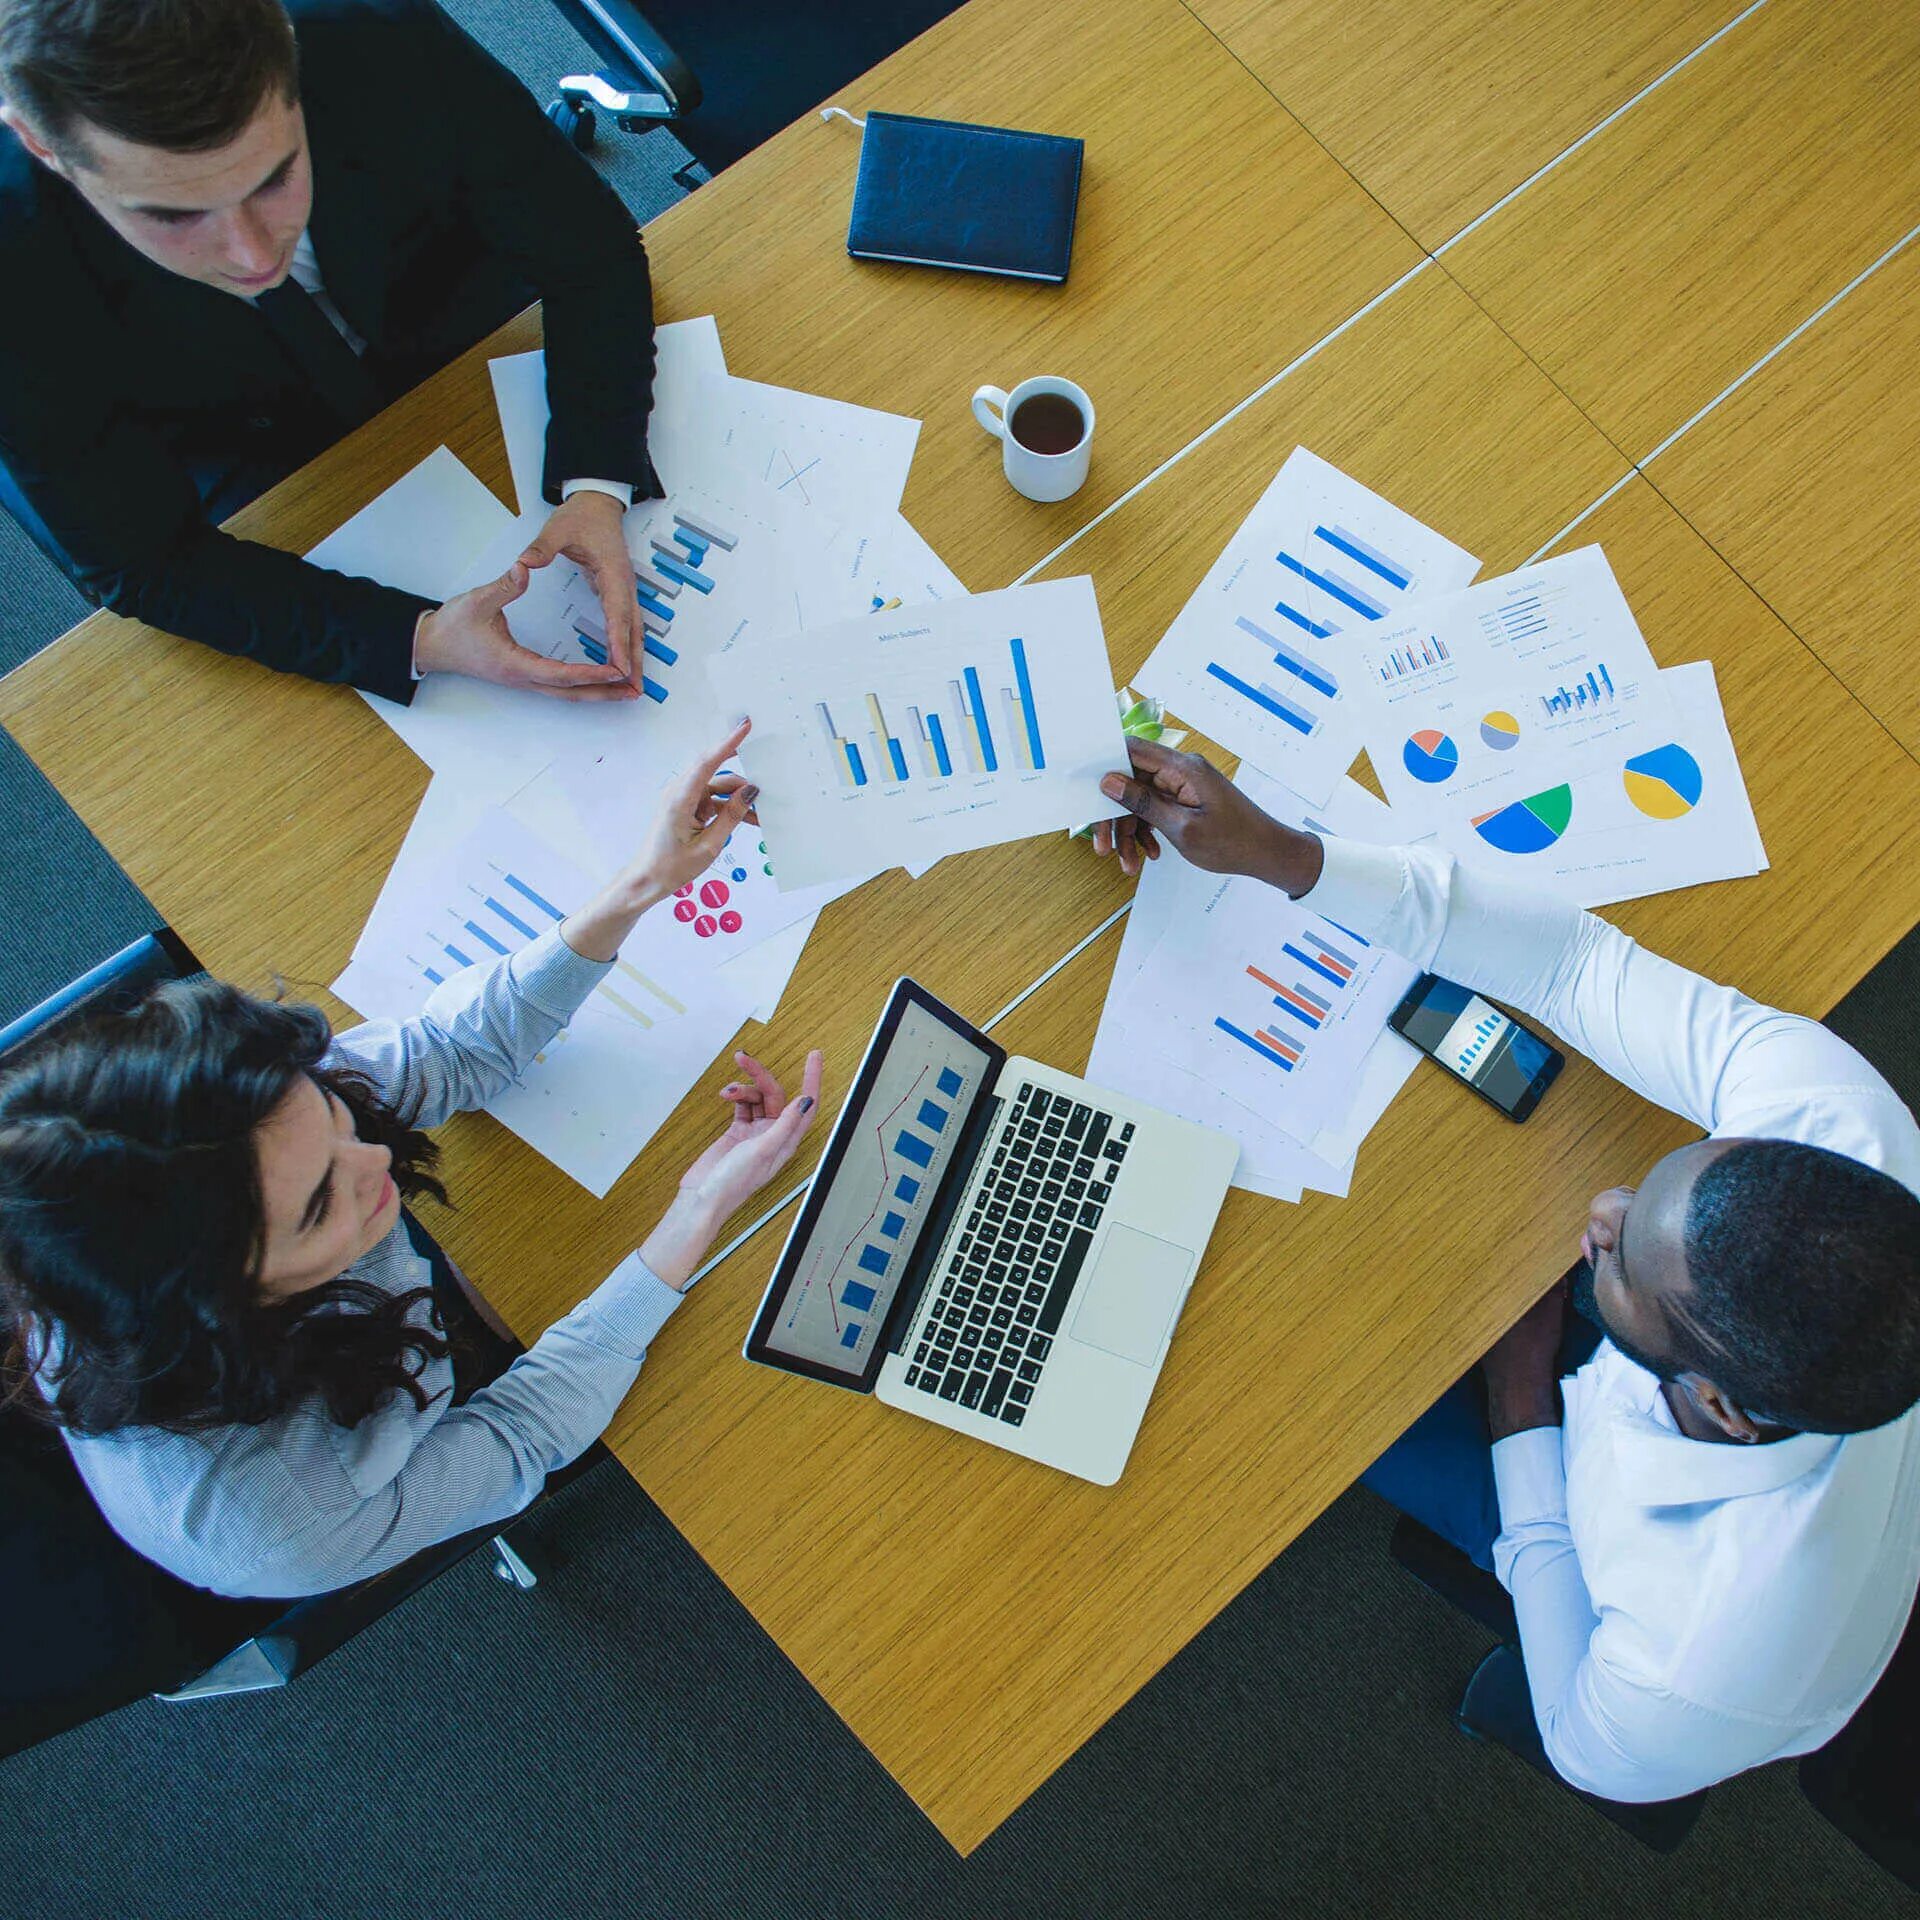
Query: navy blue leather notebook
x=945, y=193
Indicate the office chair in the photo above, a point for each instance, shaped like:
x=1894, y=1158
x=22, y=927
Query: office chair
x=1866, y=1779
x=761, y=64
x=1497, y=1706
x=91, y=1624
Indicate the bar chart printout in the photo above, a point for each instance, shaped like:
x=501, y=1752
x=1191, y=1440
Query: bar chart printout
x=985, y=718
x=1263, y=655
x=895, y=1142
x=1271, y=1003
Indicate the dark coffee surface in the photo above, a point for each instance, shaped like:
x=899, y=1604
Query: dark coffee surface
x=1048, y=423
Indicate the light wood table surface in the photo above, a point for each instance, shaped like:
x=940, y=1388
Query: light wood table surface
x=1667, y=256
x=1439, y=110
x=973, y=1617
x=1808, y=480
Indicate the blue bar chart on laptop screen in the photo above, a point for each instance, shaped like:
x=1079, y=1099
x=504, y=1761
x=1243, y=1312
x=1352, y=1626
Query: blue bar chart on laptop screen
x=897, y=1147
x=981, y=721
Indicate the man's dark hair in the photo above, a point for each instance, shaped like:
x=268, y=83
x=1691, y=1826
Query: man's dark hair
x=182, y=75
x=1805, y=1287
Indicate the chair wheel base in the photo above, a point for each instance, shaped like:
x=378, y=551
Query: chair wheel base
x=575, y=121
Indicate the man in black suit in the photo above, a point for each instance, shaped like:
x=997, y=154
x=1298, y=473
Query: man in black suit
x=231, y=230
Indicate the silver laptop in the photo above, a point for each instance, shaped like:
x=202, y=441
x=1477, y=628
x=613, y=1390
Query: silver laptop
x=998, y=1247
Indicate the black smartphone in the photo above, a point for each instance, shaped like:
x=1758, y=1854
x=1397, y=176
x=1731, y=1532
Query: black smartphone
x=1502, y=1061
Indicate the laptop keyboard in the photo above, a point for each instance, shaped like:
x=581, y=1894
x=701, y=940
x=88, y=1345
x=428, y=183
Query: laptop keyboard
x=1000, y=1301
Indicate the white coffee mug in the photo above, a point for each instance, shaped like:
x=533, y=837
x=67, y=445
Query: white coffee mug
x=1039, y=475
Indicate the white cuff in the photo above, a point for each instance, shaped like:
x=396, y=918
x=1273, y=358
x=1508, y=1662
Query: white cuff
x=619, y=489
x=1530, y=1477
x=1359, y=884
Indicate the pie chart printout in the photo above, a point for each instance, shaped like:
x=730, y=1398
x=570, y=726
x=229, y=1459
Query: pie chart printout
x=1499, y=730
x=1430, y=756
x=1665, y=784
x=1531, y=825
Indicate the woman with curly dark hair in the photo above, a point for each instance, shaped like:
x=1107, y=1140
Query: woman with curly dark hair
x=209, y=1283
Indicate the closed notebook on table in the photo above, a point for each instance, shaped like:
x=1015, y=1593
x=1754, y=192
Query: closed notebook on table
x=946, y=193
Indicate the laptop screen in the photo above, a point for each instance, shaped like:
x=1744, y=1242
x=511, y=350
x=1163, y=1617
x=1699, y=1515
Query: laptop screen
x=875, y=1193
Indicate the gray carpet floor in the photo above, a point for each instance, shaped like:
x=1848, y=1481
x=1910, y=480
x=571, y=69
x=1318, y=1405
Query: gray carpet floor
x=625, y=1741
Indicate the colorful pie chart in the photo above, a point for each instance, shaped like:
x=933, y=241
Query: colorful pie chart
x=1430, y=756
x=1664, y=784
x=1500, y=730
x=1531, y=825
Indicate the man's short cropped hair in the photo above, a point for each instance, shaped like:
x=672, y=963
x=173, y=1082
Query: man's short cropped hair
x=1804, y=1302
x=183, y=75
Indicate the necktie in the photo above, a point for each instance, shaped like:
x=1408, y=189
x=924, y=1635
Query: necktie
x=328, y=365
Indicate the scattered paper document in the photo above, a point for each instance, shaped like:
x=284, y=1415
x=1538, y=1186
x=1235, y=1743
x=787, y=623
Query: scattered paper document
x=466, y=892
x=1272, y=1002
x=1128, y=1056
x=949, y=726
x=739, y=436
x=1265, y=654
x=1671, y=814
x=422, y=534
x=755, y=571
x=686, y=352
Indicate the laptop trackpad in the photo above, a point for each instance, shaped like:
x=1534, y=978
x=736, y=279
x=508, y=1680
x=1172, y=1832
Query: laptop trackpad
x=1134, y=1291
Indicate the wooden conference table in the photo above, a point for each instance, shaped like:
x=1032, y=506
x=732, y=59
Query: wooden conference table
x=973, y=1617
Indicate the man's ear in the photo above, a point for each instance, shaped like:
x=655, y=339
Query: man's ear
x=1721, y=1408
x=10, y=117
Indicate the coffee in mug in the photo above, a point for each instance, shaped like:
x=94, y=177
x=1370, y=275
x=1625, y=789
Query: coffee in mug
x=1045, y=430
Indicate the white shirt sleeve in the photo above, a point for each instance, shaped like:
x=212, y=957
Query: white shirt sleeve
x=619, y=489
x=1726, y=1062
x=477, y=1465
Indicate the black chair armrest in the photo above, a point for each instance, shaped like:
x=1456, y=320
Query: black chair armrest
x=641, y=62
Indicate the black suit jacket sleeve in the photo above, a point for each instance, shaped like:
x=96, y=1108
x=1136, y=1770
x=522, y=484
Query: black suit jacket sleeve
x=546, y=212
x=127, y=515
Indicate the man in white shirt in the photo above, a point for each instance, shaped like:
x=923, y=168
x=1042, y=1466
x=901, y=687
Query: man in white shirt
x=1714, y=1553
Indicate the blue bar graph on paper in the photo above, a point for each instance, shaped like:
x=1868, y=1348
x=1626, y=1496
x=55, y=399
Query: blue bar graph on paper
x=512, y=919
x=891, y=1224
x=906, y=1188
x=1349, y=596
x=873, y=1259
x=438, y=979
x=527, y=893
x=910, y=1147
x=658, y=608
x=1308, y=671
x=949, y=1082
x=652, y=688
x=454, y=954
x=1271, y=702
x=1305, y=1019
x=1371, y=557
x=978, y=702
x=659, y=649
x=938, y=735
x=854, y=765
x=1247, y=1040
x=695, y=546
x=679, y=570
x=931, y=1117
x=851, y=1337
x=1359, y=939
x=1026, y=703
x=898, y=758
x=1306, y=960
x=484, y=937
x=1299, y=619
x=594, y=651
x=857, y=1295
